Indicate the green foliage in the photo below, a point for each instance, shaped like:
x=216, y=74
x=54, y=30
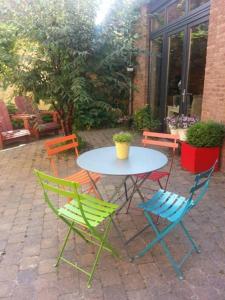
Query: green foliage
x=54, y=50
x=206, y=134
x=17, y=124
x=144, y=118
x=47, y=118
x=123, y=137
x=82, y=144
x=11, y=108
x=95, y=115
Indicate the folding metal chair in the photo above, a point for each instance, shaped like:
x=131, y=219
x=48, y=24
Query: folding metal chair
x=173, y=208
x=164, y=140
x=65, y=143
x=82, y=215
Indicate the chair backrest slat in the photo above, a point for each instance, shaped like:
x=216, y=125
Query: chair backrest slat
x=5, y=121
x=59, y=145
x=160, y=139
x=58, y=191
x=26, y=105
x=55, y=180
x=55, y=145
x=201, y=185
x=63, y=188
x=56, y=150
x=160, y=143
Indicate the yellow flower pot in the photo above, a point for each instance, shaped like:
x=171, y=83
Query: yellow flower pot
x=122, y=150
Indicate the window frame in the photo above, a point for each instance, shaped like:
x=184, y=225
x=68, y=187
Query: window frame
x=157, y=6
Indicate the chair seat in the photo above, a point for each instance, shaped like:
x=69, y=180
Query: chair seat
x=82, y=177
x=95, y=210
x=166, y=205
x=48, y=126
x=14, y=134
x=154, y=176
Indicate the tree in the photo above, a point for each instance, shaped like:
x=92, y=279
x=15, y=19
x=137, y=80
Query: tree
x=63, y=58
x=58, y=37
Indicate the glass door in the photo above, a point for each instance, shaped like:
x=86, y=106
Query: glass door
x=186, y=63
x=175, y=72
x=197, y=46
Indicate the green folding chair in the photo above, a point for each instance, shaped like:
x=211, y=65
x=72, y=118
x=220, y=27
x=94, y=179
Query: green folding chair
x=173, y=208
x=82, y=215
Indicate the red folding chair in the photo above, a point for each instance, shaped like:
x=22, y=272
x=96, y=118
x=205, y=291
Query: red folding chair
x=164, y=140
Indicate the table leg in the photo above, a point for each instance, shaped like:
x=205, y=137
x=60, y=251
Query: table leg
x=95, y=185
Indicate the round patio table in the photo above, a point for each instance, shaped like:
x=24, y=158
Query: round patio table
x=140, y=161
x=104, y=161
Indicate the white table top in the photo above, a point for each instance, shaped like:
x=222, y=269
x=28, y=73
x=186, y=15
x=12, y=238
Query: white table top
x=104, y=161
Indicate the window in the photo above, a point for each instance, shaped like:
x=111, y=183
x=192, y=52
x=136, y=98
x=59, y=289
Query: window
x=155, y=74
x=158, y=20
x=196, y=3
x=175, y=11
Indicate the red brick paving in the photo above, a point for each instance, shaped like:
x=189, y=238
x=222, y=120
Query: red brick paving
x=30, y=238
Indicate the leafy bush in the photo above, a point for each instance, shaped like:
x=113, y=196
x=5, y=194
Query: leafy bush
x=122, y=137
x=11, y=108
x=47, y=118
x=144, y=118
x=96, y=115
x=206, y=134
x=17, y=124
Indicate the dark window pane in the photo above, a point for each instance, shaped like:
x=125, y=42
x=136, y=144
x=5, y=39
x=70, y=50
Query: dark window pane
x=196, y=3
x=158, y=20
x=198, y=48
x=155, y=73
x=175, y=11
x=176, y=42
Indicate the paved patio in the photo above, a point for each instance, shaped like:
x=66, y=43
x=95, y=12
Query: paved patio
x=30, y=237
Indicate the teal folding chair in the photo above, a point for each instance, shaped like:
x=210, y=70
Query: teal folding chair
x=83, y=213
x=173, y=208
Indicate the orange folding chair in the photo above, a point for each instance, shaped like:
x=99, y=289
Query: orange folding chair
x=161, y=140
x=62, y=144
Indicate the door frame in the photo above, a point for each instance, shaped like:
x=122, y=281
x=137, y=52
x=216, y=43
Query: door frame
x=196, y=17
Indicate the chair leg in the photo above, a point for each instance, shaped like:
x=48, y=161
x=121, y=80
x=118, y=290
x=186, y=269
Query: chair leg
x=186, y=232
x=99, y=253
x=161, y=187
x=159, y=238
x=64, y=245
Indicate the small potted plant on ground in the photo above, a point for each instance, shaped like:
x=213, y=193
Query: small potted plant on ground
x=183, y=123
x=180, y=124
x=202, y=148
x=172, y=123
x=122, y=141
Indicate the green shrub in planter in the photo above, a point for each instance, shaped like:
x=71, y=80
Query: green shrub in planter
x=206, y=134
x=144, y=119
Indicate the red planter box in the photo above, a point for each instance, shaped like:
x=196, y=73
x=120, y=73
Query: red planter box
x=197, y=160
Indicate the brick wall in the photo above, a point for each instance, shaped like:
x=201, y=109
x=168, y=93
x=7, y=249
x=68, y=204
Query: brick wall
x=141, y=74
x=214, y=89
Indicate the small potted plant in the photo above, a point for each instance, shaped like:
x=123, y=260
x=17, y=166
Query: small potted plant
x=172, y=123
x=183, y=123
x=202, y=148
x=180, y=124
x=122, y=141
